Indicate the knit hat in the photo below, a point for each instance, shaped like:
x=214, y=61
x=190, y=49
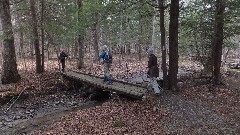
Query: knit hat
x=105, y=47
x=150, y=51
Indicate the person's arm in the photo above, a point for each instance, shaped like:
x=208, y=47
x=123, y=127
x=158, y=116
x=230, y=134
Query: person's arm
x=110, y=55
x=150, y=62
x=155, y=61
x=65, y=55
x=102, y=55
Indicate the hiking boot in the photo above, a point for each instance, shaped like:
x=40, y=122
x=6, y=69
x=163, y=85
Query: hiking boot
x=109, y=82
x=105, y=79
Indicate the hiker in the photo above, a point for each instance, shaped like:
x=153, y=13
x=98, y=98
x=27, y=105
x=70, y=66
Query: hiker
x=153, y=71
x=106, y=59
x=62, y=57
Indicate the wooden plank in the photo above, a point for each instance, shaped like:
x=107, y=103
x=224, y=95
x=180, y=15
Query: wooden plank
x=114, y=80
x=117, y=86
x=114, y=83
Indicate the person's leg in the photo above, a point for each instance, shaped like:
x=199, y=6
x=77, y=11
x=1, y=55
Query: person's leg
x=155, y=86
x=108, y=70
x=63, y=65
x=109, y=77
x=105, y=71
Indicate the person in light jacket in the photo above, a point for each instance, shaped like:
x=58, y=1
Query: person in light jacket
x=106, y=59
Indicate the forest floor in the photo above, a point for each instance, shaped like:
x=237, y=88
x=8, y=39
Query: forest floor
x=47, y=106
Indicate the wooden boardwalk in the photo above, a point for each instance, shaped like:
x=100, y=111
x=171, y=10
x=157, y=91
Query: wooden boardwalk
x=120, y=87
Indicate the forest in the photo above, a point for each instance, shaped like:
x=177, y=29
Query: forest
x=54, y=78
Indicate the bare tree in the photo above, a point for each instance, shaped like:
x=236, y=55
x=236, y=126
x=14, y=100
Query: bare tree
x=173, y=45
x=35, y=36
x=163, y=44
x=80, y=63
x=218, y=40
x=95, y=39
x=10, y=72
x=42, y=33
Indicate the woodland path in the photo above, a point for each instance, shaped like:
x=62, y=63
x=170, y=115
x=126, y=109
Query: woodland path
x=194, y=117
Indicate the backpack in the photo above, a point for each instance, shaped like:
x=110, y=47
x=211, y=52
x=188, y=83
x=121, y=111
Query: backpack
x=62, y=56
x=107, y=57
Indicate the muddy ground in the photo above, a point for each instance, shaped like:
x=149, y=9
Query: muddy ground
x=36, y=102
x=24, y=119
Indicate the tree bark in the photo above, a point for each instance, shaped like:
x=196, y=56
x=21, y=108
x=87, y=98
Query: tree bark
x=154, y=22
x=80, y=63
x=218, y=40
x=140, y=50
x=173, y=45
x=35, y=36
x=42, y=34
x=48, y=51
x=9, y=72
x=163, y=44
x=95, y=43
x=141, y=34
x=140, y=40
x=31, y=44
x=21, y=51
x=76, y=46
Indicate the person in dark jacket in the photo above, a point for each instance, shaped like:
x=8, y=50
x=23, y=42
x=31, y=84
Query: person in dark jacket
x=62, y=58
x=153, y=71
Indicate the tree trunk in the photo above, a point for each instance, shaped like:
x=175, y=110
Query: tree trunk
x=128, y=48
x=154, y=22
x=1, y=47
x=163, y=44
x=9, y=72
x=173, y=45
x=140, y=50
x=140, y=40
x=48, y=52
x=141, y=36
x=80, y=63
x=21, y=51
x=95, y=43
x=224, y=57
x=42, y=34
x=31, y=42
x=75, y=52
x=35, y=36
x=218, y=40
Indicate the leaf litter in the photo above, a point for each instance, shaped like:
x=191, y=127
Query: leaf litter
x=153, y=116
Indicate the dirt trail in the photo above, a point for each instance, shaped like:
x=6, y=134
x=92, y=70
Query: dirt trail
x=192, y=117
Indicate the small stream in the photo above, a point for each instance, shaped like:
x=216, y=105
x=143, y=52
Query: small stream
x=25, y=118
